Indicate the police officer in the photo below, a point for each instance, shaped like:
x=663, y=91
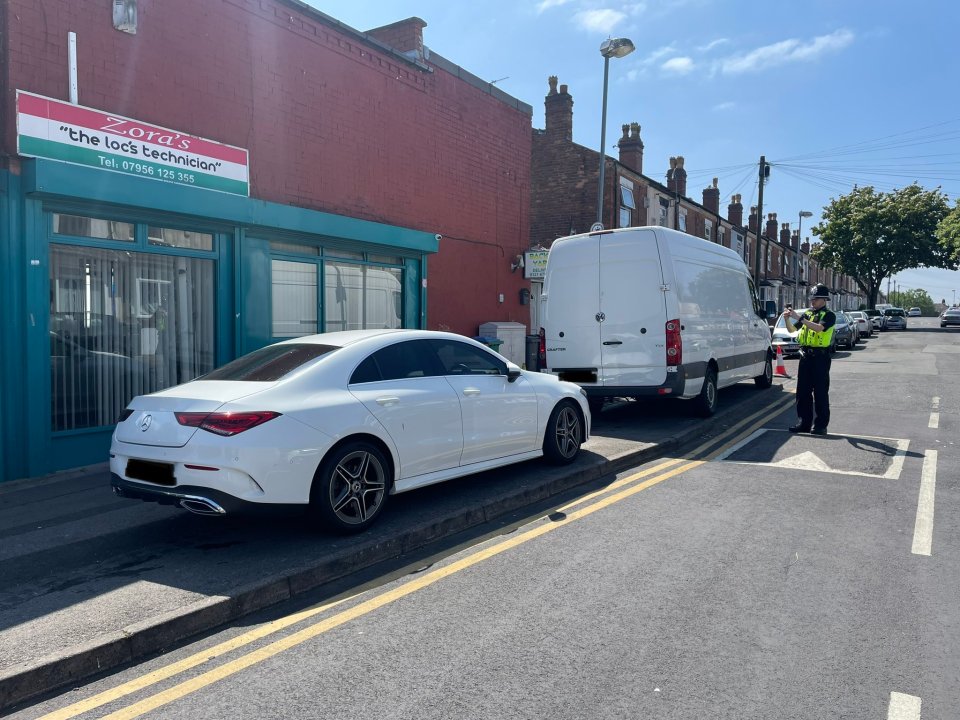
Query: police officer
x=813, y=378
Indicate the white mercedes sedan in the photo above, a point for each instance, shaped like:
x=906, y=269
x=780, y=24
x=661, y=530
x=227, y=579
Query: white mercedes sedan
x=340, y=421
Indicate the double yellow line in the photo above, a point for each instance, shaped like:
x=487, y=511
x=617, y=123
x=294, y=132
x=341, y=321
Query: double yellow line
x=588, y=504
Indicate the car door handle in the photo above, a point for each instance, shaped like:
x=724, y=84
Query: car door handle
x=391, y=400
x=471, y=391
x=613, y=342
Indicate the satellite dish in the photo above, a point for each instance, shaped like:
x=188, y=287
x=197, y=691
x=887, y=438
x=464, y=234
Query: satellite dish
x=596, y=227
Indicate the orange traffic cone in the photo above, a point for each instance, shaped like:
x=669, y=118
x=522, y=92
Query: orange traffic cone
x=781, y=371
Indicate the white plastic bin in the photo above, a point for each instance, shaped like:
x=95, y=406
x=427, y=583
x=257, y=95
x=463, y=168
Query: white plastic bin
x=514, y=336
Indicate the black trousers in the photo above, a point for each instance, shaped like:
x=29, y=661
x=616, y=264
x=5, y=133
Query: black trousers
x=813, y=388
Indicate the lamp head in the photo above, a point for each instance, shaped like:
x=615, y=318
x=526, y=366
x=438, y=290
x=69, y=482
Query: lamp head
x=616, y=47
x=806, y=213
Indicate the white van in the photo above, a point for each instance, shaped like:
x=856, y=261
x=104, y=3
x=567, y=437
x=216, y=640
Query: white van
x=651, y=311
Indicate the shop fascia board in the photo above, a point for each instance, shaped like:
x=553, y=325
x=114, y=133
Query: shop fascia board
x=50, y=179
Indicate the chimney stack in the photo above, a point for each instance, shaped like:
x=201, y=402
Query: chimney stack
x=671, y=182
x=680, y=177
x=404, y=35
x=795, y=240
x=631, y=148
x=753, y=219
x=735, y=211
x=558, y=112
x=785, y=234
x=805, y=247
x=711, y=198
x=771, y=231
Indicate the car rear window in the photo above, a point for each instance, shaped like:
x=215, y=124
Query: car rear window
x=270, y=363
x=893, y=312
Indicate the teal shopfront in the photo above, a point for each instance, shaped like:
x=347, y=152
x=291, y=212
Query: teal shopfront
x=115, y=286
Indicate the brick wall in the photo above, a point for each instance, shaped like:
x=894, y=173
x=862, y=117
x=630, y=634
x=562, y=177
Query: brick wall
x=331, y=123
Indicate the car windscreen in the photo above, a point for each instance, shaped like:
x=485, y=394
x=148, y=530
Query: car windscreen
x=270, y=363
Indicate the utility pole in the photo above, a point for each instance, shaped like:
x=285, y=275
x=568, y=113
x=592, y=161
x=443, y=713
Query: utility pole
x=756, y=267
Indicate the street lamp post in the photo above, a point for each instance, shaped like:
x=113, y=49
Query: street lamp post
x=796, y=262
x=611, y=48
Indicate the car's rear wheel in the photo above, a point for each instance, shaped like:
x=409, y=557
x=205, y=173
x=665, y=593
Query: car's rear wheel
x=564, y=434
x=350, y=488
x=706, y=403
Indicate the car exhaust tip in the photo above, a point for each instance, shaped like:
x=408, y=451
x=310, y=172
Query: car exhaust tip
x=201, y=506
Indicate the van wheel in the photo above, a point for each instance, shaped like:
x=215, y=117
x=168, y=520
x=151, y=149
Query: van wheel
x=706, y=402
x=765, y=380
x=350, y=488
x=564, y=434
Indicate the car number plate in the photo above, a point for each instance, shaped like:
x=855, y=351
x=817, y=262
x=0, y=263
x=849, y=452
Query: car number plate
x=155, y=472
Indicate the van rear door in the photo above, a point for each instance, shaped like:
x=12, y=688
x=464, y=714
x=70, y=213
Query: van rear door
x=633, y=310
x=569, y=309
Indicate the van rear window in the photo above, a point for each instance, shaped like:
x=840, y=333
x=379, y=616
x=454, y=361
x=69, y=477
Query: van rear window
x=270, y=363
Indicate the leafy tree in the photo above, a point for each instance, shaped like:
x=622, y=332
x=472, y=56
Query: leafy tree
x=871, y=235
x=948, y=232
x=913, y=298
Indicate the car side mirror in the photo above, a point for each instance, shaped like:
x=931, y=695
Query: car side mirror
x=513, y=372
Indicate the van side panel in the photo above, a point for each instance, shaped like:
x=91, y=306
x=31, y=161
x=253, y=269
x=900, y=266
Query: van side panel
x=569, y=305
x=633, y=344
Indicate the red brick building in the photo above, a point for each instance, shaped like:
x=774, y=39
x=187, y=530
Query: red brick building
x=352, y=153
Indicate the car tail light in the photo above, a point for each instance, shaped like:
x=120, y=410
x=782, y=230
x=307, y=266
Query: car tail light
x=674, y=343
x=227, y=423
x=542, y=349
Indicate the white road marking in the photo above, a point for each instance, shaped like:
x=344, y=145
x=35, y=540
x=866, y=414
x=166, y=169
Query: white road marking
x=903, y=707
x=934, y=420
x=923, y=528
x=810, y=461
x=936, y=403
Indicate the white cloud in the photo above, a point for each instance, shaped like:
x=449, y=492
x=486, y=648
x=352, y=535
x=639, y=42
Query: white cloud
x=724, y=106
x=786, y=51
x=657, y=54
x=600, y=20
x=547, y=4
x=678, y=65
x=712, y=44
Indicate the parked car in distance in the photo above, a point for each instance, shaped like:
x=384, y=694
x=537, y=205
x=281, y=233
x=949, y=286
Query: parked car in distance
x=950, y=316
x=844, y=332
x=338, y=422
x=896, y=318
x=784, y=339
x=864, y=324
x=878, y=319
x=914, y=312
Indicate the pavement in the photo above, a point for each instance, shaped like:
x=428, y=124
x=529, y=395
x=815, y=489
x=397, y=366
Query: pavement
x=90, y=582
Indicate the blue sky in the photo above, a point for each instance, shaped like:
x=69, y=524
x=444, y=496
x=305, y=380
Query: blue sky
x=832, y=92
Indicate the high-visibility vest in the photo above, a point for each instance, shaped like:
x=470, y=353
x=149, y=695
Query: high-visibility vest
x=810, y=338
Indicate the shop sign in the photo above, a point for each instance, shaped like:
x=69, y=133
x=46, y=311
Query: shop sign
x=57, y=130
x=535, y=264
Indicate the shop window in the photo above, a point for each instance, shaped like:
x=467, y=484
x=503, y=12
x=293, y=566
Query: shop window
x=189, y=239
x=345, y=254
x=294, y=298
x=358, y=296
x=296, y=248
x=385, y=259
x=90, y=227
x=122, y=324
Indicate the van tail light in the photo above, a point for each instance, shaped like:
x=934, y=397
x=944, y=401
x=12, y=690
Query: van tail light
x=542, y=349
x=674, y=343
x=225, y=424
